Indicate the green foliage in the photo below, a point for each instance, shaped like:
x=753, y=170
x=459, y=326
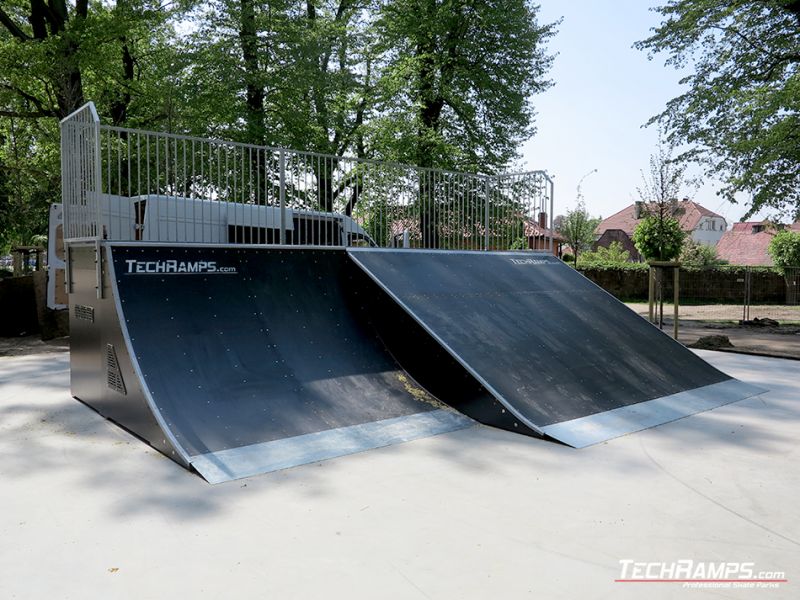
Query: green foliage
x=741, y=111
x=520, y=243
x=438, y=84
x=567, y=257
x=53, y=56
x=785, y=250
x=622, y=268
x=577, y=229
x=697, y=255
x=665, y=180
x=611, y=256
x=29, y=180
x=659, y=238
x=458, y=80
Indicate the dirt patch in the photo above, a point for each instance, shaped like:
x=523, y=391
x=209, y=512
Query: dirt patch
x=712, y=342
x=31, y=344
x=783, y=341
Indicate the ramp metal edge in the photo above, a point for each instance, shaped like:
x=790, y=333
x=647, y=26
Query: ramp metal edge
x=255, y=459
x=527, y=422
x=600, y=427
x=168, y=435
x=438, y=251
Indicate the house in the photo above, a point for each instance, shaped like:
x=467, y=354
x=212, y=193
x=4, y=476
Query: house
x=746, y=243
x=538, y=235
x=704, y=226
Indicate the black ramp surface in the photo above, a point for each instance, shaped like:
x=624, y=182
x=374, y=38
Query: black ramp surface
x=256, y=359
x=563, y=356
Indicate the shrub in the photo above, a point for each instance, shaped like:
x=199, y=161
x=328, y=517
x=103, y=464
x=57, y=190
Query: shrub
x=659, y=238
x=785, y=250
x=695, y=254
x=614, y=255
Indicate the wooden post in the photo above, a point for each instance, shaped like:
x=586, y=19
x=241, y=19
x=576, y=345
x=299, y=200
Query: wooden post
x=651, y=292
x=676, y=270
x=676, y=285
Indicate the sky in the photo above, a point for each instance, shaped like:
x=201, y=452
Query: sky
x=604, y=92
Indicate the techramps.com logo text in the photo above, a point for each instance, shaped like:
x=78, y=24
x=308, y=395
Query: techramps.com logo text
x=529, y=261
x=693, y=574
x=178, y=267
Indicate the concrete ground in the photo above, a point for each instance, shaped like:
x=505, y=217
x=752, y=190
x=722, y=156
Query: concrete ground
x=87, y=511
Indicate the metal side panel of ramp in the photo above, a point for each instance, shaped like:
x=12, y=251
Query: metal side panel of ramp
x=564, y=357
x=255, y=359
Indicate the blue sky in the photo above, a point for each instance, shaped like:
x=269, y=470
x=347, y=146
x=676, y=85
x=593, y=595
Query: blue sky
x=604, y=92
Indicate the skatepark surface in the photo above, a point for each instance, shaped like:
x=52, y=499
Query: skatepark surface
x=89, y=511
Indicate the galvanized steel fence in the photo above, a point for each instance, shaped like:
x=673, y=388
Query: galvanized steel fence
x=128, y=184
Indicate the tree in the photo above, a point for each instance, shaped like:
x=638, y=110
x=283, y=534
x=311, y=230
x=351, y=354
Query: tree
x=659, y=235
x=577, y=229
x=456, y=85
x=741, y=112
x=437, y=83
x=612, y=256
x=695, y=254
x=659, y=238
x=664, y=182
x=53, y=56
x=784, y=249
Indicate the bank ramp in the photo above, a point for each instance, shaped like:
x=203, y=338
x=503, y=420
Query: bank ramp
x=558, y=355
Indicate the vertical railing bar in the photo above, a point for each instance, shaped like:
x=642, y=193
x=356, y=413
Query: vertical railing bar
x=186, y=194
x=282, y=193
x=177, y=191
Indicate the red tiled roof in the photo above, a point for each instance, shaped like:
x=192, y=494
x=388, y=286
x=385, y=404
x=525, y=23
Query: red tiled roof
x=740, y=246
x=767, y=225
x=532, y=229
x=626, y=221
x=744, y=227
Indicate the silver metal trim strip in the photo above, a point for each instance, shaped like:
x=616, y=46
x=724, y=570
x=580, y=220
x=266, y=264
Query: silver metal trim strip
x=438, y=252
x=600, y=427
x=226, y=246
x=255, y=459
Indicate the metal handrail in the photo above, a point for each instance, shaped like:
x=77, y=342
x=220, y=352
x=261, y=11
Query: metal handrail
x=119, y=181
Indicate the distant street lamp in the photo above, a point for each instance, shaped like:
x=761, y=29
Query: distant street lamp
x=580, y=194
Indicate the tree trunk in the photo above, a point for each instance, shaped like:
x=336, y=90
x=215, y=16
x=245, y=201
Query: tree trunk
x=67, y=81
x=254, y=92
x=431, y=105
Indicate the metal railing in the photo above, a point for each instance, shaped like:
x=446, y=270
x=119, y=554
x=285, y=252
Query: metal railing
x=127, y=184
x=80, y=173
